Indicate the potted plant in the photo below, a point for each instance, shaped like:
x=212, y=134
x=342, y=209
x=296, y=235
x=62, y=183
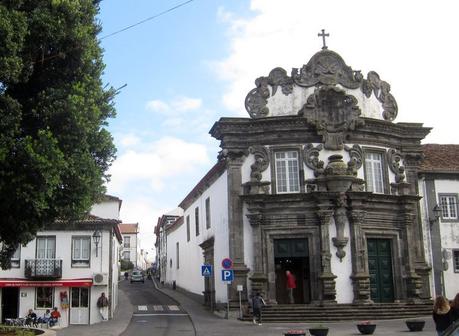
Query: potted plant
x=415, y=325
x=295, y=332
x=318, y=330
x=366, y=327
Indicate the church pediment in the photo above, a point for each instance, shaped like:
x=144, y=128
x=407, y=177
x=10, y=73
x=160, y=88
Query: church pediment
x=325, y=68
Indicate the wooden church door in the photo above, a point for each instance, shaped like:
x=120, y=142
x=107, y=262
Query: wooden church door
x=380, y=268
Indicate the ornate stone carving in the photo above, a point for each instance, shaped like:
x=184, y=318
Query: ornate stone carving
x=340, y=222
x=328, y=68
x=257, y=99
x=333, y=113
x=356, y=155
x=260, y=164
x=394, y=159
x=311, y=158
x=381, y=89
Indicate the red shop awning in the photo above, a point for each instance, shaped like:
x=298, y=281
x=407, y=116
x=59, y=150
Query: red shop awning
x=58, y=283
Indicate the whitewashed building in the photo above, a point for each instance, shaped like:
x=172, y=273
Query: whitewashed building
x=130, y=250
x=320, y=181
x=68, y=266
x=439, y=186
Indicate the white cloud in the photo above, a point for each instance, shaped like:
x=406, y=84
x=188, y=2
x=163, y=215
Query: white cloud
x=129, y=140
x=414, y=57
x=157, y=106
x=155, y=162
x=175, y=106
x=186, y=104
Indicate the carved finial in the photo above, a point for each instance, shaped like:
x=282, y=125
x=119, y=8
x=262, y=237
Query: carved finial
x=323, y=35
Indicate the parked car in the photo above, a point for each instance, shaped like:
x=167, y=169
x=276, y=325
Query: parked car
x=137, y=276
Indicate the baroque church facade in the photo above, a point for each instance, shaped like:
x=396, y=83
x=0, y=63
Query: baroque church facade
x=319, y=181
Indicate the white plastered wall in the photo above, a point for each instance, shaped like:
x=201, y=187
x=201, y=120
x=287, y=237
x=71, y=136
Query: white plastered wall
x=188, y=275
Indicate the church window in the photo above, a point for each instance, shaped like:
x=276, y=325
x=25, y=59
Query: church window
x=448, y=205
x=456, y=261
x=208, y=213
x=196, y=220
x=374, y=174
x=187, y=228
x=287, y=174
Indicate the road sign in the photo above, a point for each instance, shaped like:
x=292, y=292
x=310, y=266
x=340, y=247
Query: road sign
x=206, y=270
x=227, y=263
x=227, y=275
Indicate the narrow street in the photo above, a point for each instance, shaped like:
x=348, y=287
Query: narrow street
x=154, y=312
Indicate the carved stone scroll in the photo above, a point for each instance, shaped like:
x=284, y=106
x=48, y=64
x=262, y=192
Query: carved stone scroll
x=394, y=159
x=260, y=164
x=356, y=155
x=257, y=99
x=381, y=89
x=311, y=158
x=328, y=68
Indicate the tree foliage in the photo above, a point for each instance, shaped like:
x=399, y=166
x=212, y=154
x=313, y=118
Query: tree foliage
x=54, y=148
x=126, y=265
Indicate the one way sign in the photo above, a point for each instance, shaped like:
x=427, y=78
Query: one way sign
x=206, y=270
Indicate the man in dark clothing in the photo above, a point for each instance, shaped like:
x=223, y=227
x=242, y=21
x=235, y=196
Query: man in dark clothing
x=257, y=305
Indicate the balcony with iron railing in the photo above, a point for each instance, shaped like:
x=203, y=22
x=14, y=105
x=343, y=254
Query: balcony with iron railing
x=42, y=269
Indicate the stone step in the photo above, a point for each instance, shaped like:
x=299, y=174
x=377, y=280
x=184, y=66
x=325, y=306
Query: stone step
x=304, y=313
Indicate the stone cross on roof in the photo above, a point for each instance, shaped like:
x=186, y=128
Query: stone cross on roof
x=323, y=35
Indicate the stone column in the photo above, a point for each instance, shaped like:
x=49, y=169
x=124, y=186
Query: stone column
x=360, y=274
x=235, y=222
x=326, y=277
x=259, y=278
x=412, y=279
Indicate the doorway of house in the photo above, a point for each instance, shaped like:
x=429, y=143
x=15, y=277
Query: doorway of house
x=10, y=303
x=292, y=255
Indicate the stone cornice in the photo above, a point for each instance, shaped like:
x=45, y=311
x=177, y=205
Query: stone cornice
x=244, y=132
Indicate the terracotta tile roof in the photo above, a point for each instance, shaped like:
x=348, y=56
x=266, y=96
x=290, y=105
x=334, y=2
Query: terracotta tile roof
x=129, y=228
x=440, y=158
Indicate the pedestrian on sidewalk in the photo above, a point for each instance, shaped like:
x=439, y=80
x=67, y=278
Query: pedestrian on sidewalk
x=102, y=304
x=291, y=285
x=257, y=305
x=441, y=315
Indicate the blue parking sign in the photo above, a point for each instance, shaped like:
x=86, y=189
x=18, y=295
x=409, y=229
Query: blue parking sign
x=227, y=275
x=206, y=270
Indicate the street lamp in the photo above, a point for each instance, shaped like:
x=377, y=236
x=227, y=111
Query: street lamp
x=437, y=214
x=96, y=238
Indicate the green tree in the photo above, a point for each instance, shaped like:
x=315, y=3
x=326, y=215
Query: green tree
x=54, y=147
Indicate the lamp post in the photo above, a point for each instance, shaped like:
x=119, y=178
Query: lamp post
x=96, y=238
x=436, y=245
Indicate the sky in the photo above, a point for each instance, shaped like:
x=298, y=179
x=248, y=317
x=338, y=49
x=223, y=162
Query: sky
x=193, y=65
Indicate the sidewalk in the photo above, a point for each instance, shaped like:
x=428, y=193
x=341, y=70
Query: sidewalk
x=114, y=327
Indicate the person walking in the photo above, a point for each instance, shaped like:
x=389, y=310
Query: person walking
x=257, y=305
x=102, y=304
x=441, y=314
x=291, y=285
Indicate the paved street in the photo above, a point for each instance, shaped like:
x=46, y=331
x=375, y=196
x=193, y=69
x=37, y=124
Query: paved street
x=144, y=310
x=155, y=313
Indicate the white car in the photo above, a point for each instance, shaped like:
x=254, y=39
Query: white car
x=137, y=276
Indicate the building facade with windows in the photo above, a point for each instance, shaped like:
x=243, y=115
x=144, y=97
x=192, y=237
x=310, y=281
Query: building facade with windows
x=130, y=248
x=319, y=181
x=439, y=186
x=68, y=266
x=162, y=224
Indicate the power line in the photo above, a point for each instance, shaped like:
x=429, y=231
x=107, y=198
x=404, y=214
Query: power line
x=147, y=19
x=60, y=54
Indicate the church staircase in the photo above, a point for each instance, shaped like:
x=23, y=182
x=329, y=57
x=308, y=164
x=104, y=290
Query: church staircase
x=341, y=312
